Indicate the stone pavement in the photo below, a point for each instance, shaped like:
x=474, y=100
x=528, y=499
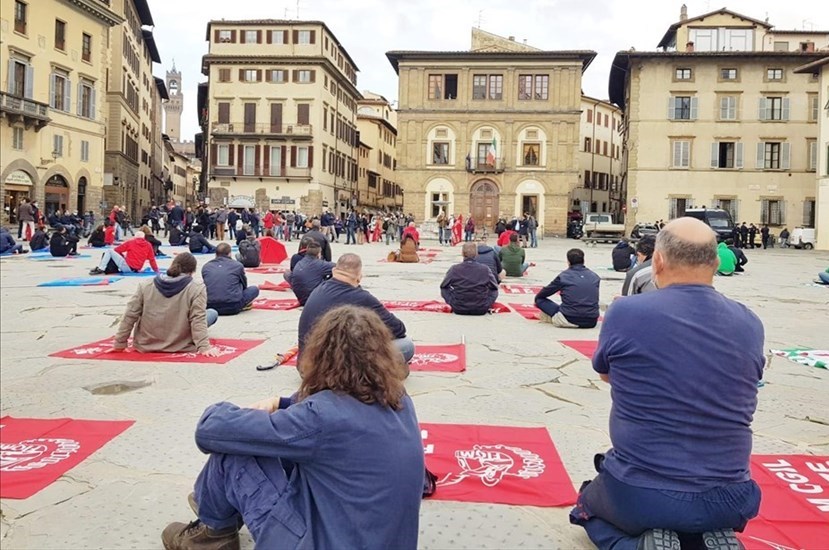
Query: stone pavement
x=518, y=375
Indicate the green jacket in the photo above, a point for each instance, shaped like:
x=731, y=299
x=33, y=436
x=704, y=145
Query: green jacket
x=512, y=260
x=727, y=259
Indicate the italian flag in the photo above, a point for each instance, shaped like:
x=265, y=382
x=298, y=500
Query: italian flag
x=490, y=156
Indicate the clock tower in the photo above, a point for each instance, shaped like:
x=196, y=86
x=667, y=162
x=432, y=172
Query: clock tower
x=172, y=108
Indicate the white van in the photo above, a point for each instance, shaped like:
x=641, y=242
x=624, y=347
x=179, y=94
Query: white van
x=802, y=237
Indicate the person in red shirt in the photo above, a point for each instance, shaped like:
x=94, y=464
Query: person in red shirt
x=109, y=233
x=412, y=231
x=127, y=257
x=268, y=221
x=503, y=238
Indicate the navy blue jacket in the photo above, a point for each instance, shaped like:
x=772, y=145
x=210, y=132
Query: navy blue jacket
x=470, y=288
x=333, y=293
x=579, y=289
x=488, y=257
x=307, y=275
x=225, y=280
x=357, y=475
x=324, y=243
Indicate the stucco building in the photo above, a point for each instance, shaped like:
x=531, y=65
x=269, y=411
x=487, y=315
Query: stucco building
x=493, y=131
x=600, y=166
x=718, y=117
x=53, y=67
x=376, y=125
x=278, y=116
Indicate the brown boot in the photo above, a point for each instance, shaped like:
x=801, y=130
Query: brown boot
x=198, y=536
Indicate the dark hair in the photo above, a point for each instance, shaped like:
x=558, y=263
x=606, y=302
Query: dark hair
x=183, y=264
x=575, y=256
x=313, y=249
x=223, y=249
x=350, y=351
x=729, y=241
x=303, y=244
x=646, y=245
x=513, y=238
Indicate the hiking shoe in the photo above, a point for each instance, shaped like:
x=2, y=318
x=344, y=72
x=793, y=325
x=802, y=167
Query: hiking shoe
x=198, y=536
x=721, y=539
x=96, y=271
x=659, y=539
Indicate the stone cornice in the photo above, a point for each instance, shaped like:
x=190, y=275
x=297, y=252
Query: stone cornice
x=97, y=9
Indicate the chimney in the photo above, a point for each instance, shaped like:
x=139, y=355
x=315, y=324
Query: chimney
x=689, y=47
x=683, y=12
x=809, y=46
x=512, y=39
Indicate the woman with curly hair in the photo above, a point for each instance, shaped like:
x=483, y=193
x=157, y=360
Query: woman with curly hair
x=339, y=465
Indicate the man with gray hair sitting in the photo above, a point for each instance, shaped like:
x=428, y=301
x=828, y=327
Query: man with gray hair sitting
x=684, y=392
x=318, y=236
x=469, y=287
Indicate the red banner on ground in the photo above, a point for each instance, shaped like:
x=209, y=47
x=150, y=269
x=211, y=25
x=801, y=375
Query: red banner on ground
x=277, y=287
x=270, y=270
x=275, y=305
x=35, y=452
x=439, y=358
x=527, y=311
x=417, y=305
x=794, y=511
x=228, y=350
x=521, y=289
x=585, y=347
x=497, y=464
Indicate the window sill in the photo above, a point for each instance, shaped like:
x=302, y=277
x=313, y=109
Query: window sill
x=679, y=168
x=682, y=120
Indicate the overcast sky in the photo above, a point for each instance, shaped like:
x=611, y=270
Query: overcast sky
x=369, y=28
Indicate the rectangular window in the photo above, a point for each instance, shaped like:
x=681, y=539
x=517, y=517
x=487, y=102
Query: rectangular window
x=774, y=108
x=84, y=151
x=443, y=86
x=479, y=86
x=496, y=86
x=729, y=205
x=60, y=95
x=440, y=152
x=705, y=40
x=223, y=155
x=302, y=157
x=57, y=145
x=728, y=108
x=17, y=138
x=224, y=75
x=275, y=167
x=225, y=36
x=773, y=155
x=249, y=163
x=781, y=46
x=814, y=107
x=250, y=37
x=681, y=154
x=542, y=87
x=224, y=113
x=532, y=154
x=811, y=146
x=60, y=34
x=250, y=117
x=809, y=213
x=20, y=18
x=728, y=74
x=678, y=206
x=303, y=113
x=86, y=100
x=86, y=47
x=525, y=86
x=590, y=115
x=304, y=37
x=774, y=74
x=277, y=75
x=771, y=212
x=249, y=75
x=587, y=143
x=683, y=74
x=682, y=108
x=726, y=154
x=277, y=37
x=304, y=76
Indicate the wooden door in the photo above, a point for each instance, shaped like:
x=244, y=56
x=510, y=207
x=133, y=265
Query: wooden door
x=483, y=202
x=250, y=118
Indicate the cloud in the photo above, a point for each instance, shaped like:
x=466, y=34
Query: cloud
x=370, y=28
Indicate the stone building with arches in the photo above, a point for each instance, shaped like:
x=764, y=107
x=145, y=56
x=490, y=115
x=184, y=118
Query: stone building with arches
x=492, y=132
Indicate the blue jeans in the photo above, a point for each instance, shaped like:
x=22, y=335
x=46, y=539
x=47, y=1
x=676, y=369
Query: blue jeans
x=350, y=238
x=547, y=306
x=248, y=296
x=533, y=238
x=824, y=276
x=212, y=317
x=406, y=347
x=615, y=514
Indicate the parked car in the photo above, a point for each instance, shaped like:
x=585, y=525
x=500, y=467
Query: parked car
x=602, y=227
x=718, y=220
x=802, y=237
x=642, y=229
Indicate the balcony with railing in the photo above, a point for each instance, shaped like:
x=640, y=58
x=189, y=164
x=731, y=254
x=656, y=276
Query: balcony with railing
x=485, y=166
x=261, y=129
x=286, y=172
x=32, y=113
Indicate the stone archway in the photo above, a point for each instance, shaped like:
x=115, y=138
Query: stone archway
x=484, y=202
x=56, y=194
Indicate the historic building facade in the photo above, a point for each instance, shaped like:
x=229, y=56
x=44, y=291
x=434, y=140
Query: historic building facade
x=376, y=124
x=600, y=165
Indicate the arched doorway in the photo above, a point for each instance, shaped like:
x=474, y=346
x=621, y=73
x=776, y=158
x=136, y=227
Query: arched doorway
x=82, y=195
x=57, y=194
x=483, y=203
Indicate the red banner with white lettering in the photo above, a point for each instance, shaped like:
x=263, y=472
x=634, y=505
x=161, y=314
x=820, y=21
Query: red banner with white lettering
x=440, y=358
x=794, y=511
x=35, y=452
x=497, y=464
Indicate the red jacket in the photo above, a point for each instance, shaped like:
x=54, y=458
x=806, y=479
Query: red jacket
x=136, y=252
x=109, y=234
x=268, y=220
x=413, y=232
x=503, y=238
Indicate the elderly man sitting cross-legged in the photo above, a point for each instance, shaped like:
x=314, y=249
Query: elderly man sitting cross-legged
x=684, y=392
x=469, y=287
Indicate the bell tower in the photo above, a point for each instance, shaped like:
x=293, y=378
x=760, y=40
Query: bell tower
x=172, y=108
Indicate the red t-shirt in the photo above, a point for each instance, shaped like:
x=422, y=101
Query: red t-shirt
x=109, y=234
x=503, y=238
x=413, y=232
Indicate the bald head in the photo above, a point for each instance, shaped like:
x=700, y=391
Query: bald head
x=349, y=269
x=685, y=253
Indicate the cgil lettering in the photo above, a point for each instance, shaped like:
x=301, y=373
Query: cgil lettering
x=799, y=483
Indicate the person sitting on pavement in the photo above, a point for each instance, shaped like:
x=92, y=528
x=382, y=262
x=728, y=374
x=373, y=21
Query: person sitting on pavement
x=177, y=237
x=513, y=257
x=411, y=230
x=579, y=288
x=504, y=239
x=823, y=277
x=640, y=278
x=61, y=244
x=127, y=257
x=303, y=246
x=490, y=258
x=728, y=261
x=623, y=255
x=154, y=242
x=470, y=288
x=97, y=239
x=408, y=250
x=39, y=240
x=739, y=255
x=198, y=242
x=227, y=286
x=8, y=244
x=679, y=462
x=169, y=313
x=248, y=253
x=309, y=272
x=343, y=288
x=243, y=233
x=343, y=458
x=318, y=236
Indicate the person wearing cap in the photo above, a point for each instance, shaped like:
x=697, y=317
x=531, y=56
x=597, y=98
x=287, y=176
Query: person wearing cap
x=62, y=244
